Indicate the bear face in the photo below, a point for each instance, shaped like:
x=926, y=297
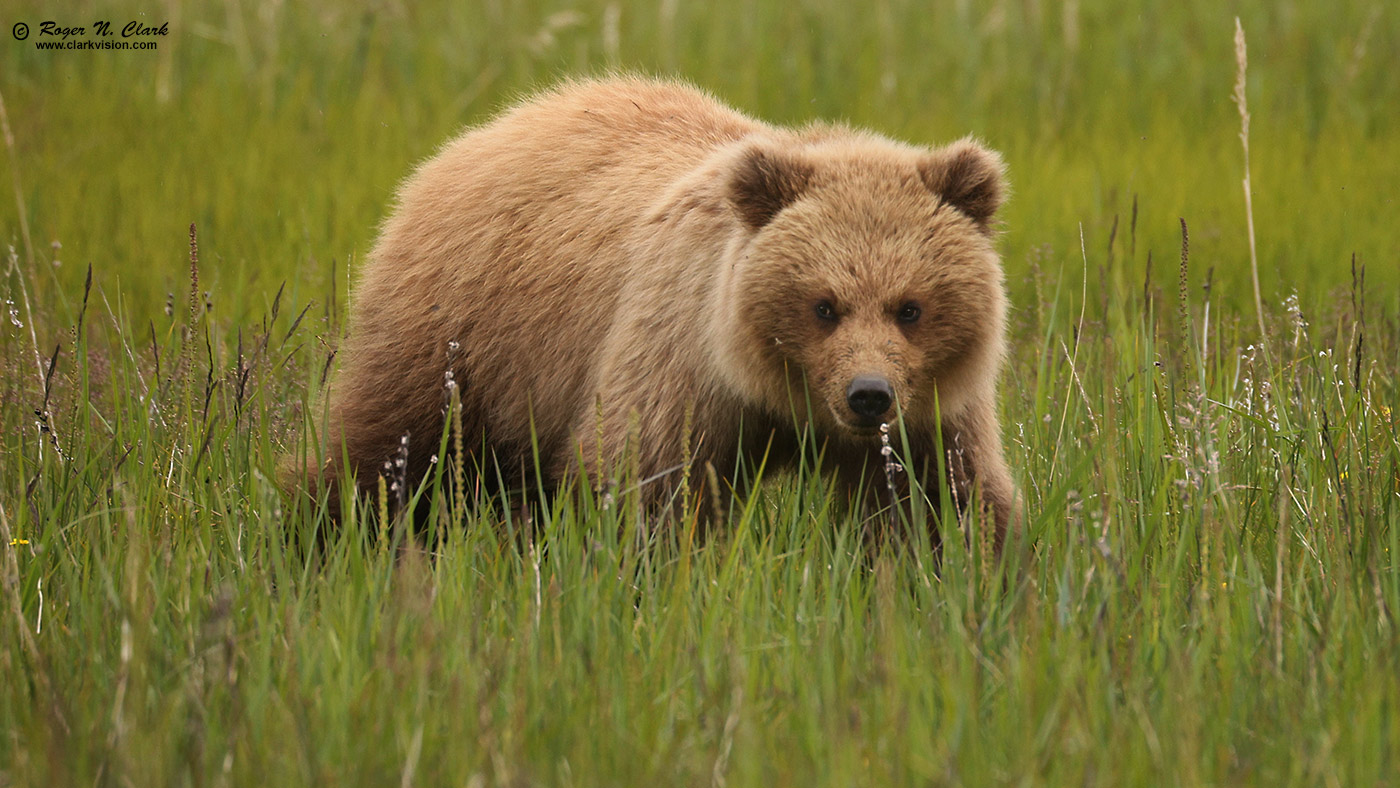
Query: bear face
x=868, y=285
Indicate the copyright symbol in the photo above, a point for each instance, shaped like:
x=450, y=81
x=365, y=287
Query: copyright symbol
x=21, y=31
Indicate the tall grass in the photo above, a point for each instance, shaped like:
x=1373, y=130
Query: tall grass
x=1206, y=589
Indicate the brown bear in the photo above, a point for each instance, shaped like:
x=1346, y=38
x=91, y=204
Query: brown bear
x=627, y=260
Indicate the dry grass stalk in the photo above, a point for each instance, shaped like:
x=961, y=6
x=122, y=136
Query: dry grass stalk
x=1241, y=101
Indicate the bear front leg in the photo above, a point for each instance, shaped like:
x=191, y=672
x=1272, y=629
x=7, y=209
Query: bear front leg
x=635, y=435
x=977, y=468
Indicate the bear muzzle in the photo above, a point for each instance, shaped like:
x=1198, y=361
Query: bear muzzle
x=869, y=398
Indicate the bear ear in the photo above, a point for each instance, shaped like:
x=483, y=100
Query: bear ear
x=765, y=181
x=968, y=177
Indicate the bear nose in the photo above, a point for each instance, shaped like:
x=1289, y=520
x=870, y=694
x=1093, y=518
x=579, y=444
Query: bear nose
x=869, y=397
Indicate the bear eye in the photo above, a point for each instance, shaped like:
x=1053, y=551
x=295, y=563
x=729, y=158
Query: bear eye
x=825, y=311
x=909, y=313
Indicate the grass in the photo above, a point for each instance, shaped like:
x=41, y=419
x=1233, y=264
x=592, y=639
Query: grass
x=1207, y=590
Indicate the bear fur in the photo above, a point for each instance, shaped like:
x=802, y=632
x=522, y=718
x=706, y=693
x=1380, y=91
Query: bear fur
x=613, y=261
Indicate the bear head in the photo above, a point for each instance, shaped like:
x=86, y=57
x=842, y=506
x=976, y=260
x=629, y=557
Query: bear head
x=863, y=282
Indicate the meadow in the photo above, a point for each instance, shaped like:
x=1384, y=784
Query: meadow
x=1206, y=589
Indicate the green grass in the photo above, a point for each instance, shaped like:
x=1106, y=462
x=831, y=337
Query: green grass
x=1207, y=591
